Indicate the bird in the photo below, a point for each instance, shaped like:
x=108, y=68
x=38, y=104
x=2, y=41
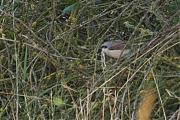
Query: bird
x=116, y=49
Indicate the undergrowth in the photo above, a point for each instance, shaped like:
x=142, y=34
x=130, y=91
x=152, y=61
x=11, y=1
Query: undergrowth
x=50, y=67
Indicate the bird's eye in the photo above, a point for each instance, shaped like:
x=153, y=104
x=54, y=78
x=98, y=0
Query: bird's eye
x=103, y=46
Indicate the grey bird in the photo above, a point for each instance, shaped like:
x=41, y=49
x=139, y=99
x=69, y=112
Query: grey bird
x=117, y=48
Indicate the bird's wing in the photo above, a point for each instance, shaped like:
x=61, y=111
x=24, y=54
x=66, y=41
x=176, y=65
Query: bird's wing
x=117, y=45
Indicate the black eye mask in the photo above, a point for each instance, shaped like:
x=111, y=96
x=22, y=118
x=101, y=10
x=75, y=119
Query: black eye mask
x=103, y=46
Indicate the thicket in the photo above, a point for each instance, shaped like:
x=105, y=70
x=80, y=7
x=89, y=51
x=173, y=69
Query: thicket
x=50, y=68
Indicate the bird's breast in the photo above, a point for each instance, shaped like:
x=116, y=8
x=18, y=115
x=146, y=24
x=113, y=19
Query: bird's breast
x=117, y=53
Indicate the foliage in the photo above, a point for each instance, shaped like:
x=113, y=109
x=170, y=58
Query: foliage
x=50, y=69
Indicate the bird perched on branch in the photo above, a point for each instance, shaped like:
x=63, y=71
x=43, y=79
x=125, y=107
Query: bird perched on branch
x=116, y=49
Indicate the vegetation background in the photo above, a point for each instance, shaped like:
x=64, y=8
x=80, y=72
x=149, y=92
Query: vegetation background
x=50, y=69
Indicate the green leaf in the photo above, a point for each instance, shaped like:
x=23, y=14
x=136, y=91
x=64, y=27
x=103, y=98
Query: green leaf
x=58, y=101
x=25, y=62
x=68, y=9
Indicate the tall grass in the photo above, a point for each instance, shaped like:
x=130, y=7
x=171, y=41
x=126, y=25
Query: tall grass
x=50, y=69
